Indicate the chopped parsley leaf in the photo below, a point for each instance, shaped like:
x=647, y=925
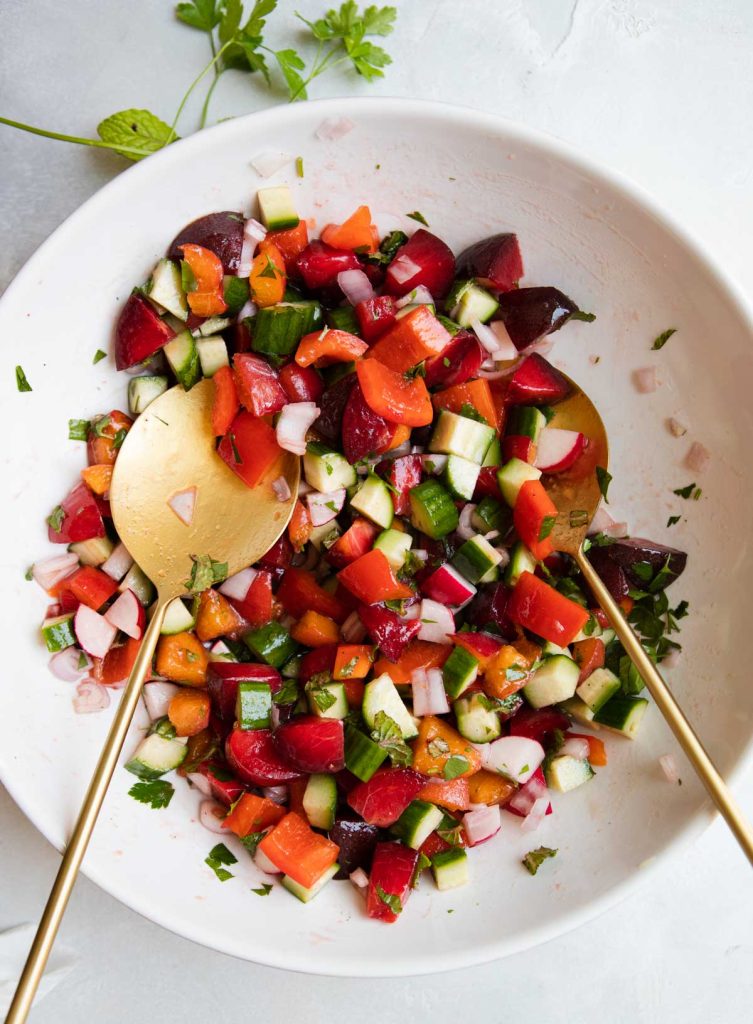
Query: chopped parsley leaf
x=204, y=572
x=388, y=735
x=78, y=430
x=99, y=355
x=673, y=519
x=417, y=215
x=252, y=840
x=157, y=794
x=587, y=318
x=218, y=856
x=264, y=889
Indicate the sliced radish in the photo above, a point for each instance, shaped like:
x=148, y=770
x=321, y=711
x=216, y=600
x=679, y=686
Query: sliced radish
x=119, y=562
x=93, y=631
x=429, y=696
x=324, y=507
x=557, y=449
x=437, y=622
x=52, y=570
x=127, y=613
x=517, y=757
x=576, y=747
x=201, y=782
x=448, y=587
x=183, y=504
x=157, y=697
x=420, y=296
x=211, y=815
x=434, y=464
x=536, y=815
x=525, y=797
x=237, y=586
x=482, y=824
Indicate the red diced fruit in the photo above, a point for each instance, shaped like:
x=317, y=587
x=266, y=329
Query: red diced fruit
x=547, y=613
x=534, y=517
x=382, y=799
x=424, y=260
x=299, y=592
x=280, y=555
x=537, y=382
x=531, y=313
x=402, y=474
x=139, y=332
x=375, y=316
x=332, y=405
x=223, y=678
x=321, y=659
x=92, y=587
x=81, y=518
x=518, y=446
x=389, y=632
x=221, y=233
x=371, y=579
x=364, y=432
x=494, y=262
x=301, y=383
x=538, y=724
x=256, y=759
x=459, y=362
x=312, y=744
x=390, y=880
x=258, y=385
x=256, y=606
x=319, y=264
x=356, y=541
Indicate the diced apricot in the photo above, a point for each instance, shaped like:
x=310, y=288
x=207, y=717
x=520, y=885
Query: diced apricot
x=315, y=630
x=436, y=743
x=489, y=788
x=189, y=712
x=182, y=659
x=216, y=616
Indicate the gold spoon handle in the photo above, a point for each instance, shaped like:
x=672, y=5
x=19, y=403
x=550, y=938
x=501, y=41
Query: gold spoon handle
x=716, y=786
x=77, y=844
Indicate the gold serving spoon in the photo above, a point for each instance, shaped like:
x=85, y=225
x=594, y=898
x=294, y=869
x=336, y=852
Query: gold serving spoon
x=170, y=449
x=576, y=492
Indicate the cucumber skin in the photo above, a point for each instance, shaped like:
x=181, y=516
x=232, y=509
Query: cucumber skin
x=433, y=511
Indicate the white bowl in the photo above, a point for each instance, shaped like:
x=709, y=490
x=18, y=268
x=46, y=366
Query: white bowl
x=582, y=229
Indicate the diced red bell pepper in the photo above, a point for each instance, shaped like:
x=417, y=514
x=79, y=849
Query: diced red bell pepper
x=223, y=678
x=534, y=517
x=92, y=587
x=116, y=665
x=256, y=759
x=312, y=744
x=424, y=260
x=389, y=632
x=298, y=851
x=319, y=264
x=392, y=869
x=82, y=518
x=256, y=606
x=356, y=541
x=321, y=659
x=364, y=432
x=371, y=579
x=375, y=316
x=547, y=613
x=258, y=386
x=537, y=382
x=139, y=332
x=411, y=340
x=402, y=474
x=399, y=399
x=207, y=299
x=518, y=446
x=301, y=383
x=225, y=403
x=382, y=799
x=323, y=348
x=434, y=843
x=249, y=448
x=460, y=362
x=299, y=592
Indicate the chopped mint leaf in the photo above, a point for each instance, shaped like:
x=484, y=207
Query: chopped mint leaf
x=135, y=133
x=264, y=889
x=29, y=574
x=673, y=519
x=578, y=517
x=252, y=840
x=547, y=525
x=119, y=438
x=21, y=382
x=322, y=697
x=663, y=338
x=270, y=270
x=204, y=573
x=643, y=570
x=684, y=492
x=605, y=478
x=287, y=694
x=438, y=747
x=455, y=766
x=387, y=734
x=419, y=370
x=681, y=610
x=417, y=215
x=157, y=794
x=99, y=355
x=218, y=856
x=587, y=318
x=471, y=413
x=56, y=517
x=78, y=430
x=446, y=362
x=390, y=899
x=533, y=860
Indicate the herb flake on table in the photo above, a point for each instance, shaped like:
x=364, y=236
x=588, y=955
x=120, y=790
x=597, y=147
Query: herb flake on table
x=417, y=215
x=690, y=491
x=99, y=355
x=157, y=794
x=264, y=889
x=604, y=478
x=21, y=382
x=663, y=338
x=535, y=858
x=78, y=430
x=218, y=856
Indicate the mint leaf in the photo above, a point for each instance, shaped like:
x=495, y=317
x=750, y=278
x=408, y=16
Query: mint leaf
x=157, y=794
x=287, y=694
x=204, y=573
x=587, y=318
x=455, y=766
x=21, y=382
x=252, y=840
x=99, y=355
x=201, y=14
x=139, y=130
x=390, y=899
x=533, y=860
x=78, y=430
x=685, y=492
x=388, y=735
x=604, y=478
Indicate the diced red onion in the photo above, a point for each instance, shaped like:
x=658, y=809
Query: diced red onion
x=211, y=815
x=575, y=746
x=504, y=554
x=119, y=562
x=645, y=380
x=434, y=464
x=248, y=309
x=282, y=489
x=277, y=794
x=437, y=622
x=360, y=880
x=527, y=795
x=483, y=750
x=355, y=286
x=253, y=233
x=90, y=697
x=487, y=337
x=201, y=782
x=482, y=824
x=269, y=161
x=353, y=630
x=324, y=507
x=698, y=457
x=464, y=528
x=668, y=765
x=517, y=757
x=676, y=428
x=333, y=128
x=419, y=296
x=293, y=424
x=536, y=815
x=69, y=665
x=603, y=522
x=506, y=349
x=237, y=586
x=403, y=268
x=429, y=696
x=303, y=488
x=157, y=697
x=52, y=570
x=263, y=863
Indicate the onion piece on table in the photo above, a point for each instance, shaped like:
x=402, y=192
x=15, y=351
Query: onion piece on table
x=645, y=380
x=668, y=766
x=333, y=128
x=269, y=161
x=698, y=457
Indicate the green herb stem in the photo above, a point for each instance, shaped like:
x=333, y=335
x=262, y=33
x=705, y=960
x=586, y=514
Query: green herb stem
x=97, y=143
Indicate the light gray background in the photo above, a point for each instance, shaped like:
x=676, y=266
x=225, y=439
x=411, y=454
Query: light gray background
x=660, y=90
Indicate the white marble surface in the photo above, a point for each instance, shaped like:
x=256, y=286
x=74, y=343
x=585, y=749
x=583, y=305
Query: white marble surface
x=660, y=90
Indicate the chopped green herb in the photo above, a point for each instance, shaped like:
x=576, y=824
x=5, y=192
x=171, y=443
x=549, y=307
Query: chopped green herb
x=471, y=413
x=21, y=382
x=386, y=733
x=455, y=766
x=533, y=860
x=446, y=362
x=218, y=856
x=204, y=573
x=287, y=694
x=119, y=438
x=56, y=517
x=696, y=494
x=438, y=747
x=681, y=610
x=663, y=338
x=349, y=667
x=157, y=794
x=270, y=270
x=547, y=525
x=390, y=899
x=83, y=661
x=99, y=355
x=417, y=215
x=264, y=889
x=322, y=697
x=236, y=454
x=100, y=425
x=421, y=865
x=578, y=517
x=252, y=840
x=685, y=492
x=29, y=574
x=78, y=430
x=587, y=318
x=643, y=570
x=602, y=540
x=299, y=166
x=673, y=519
x=419, y=370
x=604, y=478
x=515, y=673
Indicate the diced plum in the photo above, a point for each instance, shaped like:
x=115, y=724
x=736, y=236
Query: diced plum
x=257, y=760
x=301, y=383
x=490, y=606
x=375, y=316
x=537, y=382
x=538, y=724
x=531, y=313
x=332, y=404
x=222, y=233
x=382, y=799
x=356, y=840
x=459, y=362
x=280, y=555
x=627, y=553
x=223, y=678
x=320, y=659
x=481, y=645
x=139, y=332
x=494, y=262
x=319, y=264
x=518, y=446
x=82, y=518
x=312, y=744
x=364, y=432
x=392, y=870
x=424, y=260
x=389, y=632
x=258, y=385
x=402, y=474
x=610, y=573
x=487, y=484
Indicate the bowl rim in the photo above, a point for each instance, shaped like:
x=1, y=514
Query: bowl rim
x=547, y=145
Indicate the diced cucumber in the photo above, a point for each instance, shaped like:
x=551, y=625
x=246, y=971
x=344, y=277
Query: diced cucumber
x=362, y=755
x=459, y=435
x=461, y=475
x=137, y=581
x=211, y=326
x=272, y=643
x=235, y=292
x=276, y=208
x=183, y=357
x=325, y=469
x=165, y=288
x=549, y=649
x=493, y=455
x=526, y=421
x=330, y=694
x=324, y=536
x=394, y=545
x=381, y=695
x=622, y=715
x=607, y=636
x=450, y=868
x=564, y=773
x=143, y=390
x=320, y=801
x=58, y=632
x=491, y=575
x=489, y=514
x=417, y=822
x=433, y=511
x=303, y=894
x=459, y=671
x=373, y=500
x=276, y=330
x=591, y=631
x=598, y=688
x=343, y=318
x=512, y=476
x=212, y=354
x=163, y=727
x=555, y=681
x=468, y=301
x=95, y=551
x=581, y=712
x=475, y=558
x=253, y=704
x=156, y=755
x=476, y=721
x=178, y=618
x=521, y=560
